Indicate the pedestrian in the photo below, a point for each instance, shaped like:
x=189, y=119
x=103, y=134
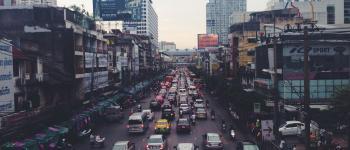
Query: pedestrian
x=294, y=147
x=282, y=144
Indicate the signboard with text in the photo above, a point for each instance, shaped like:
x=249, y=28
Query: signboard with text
x=267, y=130
x=114, y=10
x=208, y=40
x=6, y=78
x=323, y=58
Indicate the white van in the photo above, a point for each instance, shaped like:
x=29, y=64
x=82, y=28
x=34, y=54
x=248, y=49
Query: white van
x=138, y=123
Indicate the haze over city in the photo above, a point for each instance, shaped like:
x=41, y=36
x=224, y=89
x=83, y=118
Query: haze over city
x=179, y=20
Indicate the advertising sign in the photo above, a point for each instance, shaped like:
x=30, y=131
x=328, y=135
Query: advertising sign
x=114, y=10
x=208, y=40
x=323, y=58
x=102, y=60
x=100, y=79
x=89, y=60
x=6, y=78
x=267, y=130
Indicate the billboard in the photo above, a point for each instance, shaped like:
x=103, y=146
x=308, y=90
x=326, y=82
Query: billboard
x=208, y=40
x=6, y=78
x=114, y=10
x=326, y=61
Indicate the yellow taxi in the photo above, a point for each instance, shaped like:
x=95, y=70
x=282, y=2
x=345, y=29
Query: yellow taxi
x=162, y=126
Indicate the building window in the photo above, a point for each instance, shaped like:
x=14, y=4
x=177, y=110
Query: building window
x=330, y=15
x=347, y=11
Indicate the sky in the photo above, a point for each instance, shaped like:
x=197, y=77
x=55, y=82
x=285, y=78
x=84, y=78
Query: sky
x=179, y=20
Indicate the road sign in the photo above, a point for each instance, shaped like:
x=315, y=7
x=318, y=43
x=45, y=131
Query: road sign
x=267, y=130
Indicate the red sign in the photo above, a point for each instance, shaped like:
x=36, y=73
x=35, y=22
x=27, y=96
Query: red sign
x=208, y=40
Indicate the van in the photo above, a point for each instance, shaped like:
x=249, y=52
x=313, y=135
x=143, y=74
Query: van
x=138, y=123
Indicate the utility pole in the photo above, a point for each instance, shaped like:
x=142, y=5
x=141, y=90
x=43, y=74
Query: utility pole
x=274, y=80
x=306, y=88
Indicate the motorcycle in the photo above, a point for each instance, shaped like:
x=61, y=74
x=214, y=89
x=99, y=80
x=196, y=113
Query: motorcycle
x=223, y=127
x=233, y=134
x=99, y=142
x=212, y=117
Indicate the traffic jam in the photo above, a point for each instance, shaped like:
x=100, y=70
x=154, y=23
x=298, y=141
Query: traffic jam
x=177, y=108
x=175, y=113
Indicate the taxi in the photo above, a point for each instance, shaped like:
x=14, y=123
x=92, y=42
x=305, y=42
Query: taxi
x=162, y=126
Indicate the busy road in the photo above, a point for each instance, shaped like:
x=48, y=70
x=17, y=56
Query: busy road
x=118, y=131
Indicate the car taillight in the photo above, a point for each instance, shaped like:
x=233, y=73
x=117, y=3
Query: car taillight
x=161, y=146
x=127, y=126
x=142, y=126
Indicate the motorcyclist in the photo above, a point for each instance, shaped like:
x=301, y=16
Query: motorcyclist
x=212, y=113
x=223, y=124
x=193, y=118
x=139, y=107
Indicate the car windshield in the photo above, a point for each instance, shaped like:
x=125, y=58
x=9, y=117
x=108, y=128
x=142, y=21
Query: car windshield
x=201, y=110
x=119, y=147
x=250, y=147
x=214, y=138
x=131, y=122
x=183, y=122
x=155, y=140
x=183, y=105
x=162, y=123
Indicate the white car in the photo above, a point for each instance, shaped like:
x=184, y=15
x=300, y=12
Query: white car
x=124, y=145
x=182, y=91
x=185, y=108
x=149, y=113
x=157, y=141
x=295, y=128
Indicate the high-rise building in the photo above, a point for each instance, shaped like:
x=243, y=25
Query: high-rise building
x=148, y=25
x=322, y=11
x=218, y=14
x=166, y=46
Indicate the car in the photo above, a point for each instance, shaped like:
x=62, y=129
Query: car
x=160, y=99
x=201, y=113
x=162, y=126
x=166, y=105
x=182, y=91
x=149, y=113
x=295, y=128
x=246, y=145
x=199, y=105
x=186, y=146
x=155, y=105
x=162, y=92
x=191, y=90
x=185, y=108
x=168, y=114
x=212, y=141
x=124, y=145
x=156, y=141
x=183, y=125
x=199, y=101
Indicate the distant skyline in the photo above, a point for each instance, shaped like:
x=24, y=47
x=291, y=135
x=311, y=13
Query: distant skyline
x=179, y=20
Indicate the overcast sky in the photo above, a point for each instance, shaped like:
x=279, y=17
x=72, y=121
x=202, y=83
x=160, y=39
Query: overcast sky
x=179, y=20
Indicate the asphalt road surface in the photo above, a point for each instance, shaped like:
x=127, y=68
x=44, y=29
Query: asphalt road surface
x=118, y=132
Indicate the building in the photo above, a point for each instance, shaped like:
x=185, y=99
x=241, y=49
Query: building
x=238, y=17
x=148, y=25
x=66, y=59
x=322, y=11
x=165, y=46
x=27, y=2
x=347, y=11
x=218, y=13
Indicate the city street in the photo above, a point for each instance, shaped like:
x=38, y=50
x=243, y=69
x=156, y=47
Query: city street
x=118, y=132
